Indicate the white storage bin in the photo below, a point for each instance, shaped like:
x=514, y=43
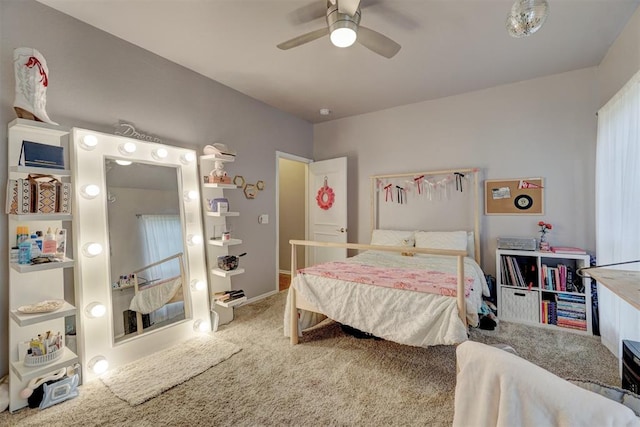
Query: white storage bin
x=520, y=305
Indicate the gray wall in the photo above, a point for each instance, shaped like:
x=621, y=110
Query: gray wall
x=544, y=127
x=97, y=79
x=537, y=128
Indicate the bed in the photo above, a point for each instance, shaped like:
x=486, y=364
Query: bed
x=392, y=312
x=395, y=307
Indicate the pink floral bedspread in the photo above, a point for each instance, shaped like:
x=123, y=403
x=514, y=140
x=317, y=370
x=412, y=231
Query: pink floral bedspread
x=429, y=281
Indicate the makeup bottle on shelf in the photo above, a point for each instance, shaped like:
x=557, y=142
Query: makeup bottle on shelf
x=24, y=252
x=49, y=243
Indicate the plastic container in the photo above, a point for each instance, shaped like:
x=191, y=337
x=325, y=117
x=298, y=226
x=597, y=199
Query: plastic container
x=49, y=245
x=36, y=246
x=24, y=252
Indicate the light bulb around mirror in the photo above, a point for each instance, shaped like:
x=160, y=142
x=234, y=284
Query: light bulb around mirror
x=127, y=148
x=95, y=310
x=160, y=153
x=124, y=162
x=188, y=157
x=194, y=239
x=89, y=142
x=201, y=326
x=99, y=365
x=90, y=191
x=190, y=196
x=92, y=249
x=198, y=285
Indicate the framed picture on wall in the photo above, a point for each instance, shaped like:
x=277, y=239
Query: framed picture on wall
x=518, y=196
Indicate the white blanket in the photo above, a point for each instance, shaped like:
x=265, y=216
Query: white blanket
x=407, y=317
x=497, y=388
x=156, y=296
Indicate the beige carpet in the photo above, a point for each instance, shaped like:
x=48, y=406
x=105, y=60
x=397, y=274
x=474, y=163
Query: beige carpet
x=156, y=373
x=329, y=379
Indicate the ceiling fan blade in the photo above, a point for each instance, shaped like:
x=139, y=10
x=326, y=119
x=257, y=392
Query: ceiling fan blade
x=304, y=38
x=314, y=10
x=349, y=7
x=380, y=44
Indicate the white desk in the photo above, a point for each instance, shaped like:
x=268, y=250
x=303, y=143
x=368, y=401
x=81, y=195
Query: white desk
x=623, y=283
x=619, y=307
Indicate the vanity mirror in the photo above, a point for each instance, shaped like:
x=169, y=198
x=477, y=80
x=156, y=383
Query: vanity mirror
x=137, y=229
x=146, y=247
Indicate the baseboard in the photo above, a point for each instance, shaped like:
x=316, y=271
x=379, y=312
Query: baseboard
x=260, y=297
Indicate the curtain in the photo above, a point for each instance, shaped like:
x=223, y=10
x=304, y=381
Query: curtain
x=618, y=207
x=162, y=237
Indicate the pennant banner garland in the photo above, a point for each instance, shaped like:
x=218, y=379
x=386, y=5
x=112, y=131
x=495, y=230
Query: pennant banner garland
x=430, y=188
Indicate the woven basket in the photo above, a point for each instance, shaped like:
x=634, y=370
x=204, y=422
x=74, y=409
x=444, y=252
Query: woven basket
x=520, y=304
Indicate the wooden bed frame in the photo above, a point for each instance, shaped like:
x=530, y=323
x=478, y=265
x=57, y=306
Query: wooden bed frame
x=298, y=302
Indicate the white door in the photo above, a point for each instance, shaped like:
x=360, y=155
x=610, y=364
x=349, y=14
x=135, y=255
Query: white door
x=327, y=208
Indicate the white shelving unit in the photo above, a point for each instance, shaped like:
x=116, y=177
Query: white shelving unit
x=536, y=301
x=29, y=284
x=219, y=280
x=231, y=303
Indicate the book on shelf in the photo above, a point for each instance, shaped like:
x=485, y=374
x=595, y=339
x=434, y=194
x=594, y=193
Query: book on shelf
x=232, y=302
x=573, y=324
x=568, y=250
x=571, y=298
x=228, y=295
x=518, y=272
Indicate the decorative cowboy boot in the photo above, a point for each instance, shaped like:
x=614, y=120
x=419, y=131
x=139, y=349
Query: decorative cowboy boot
x=32, y=79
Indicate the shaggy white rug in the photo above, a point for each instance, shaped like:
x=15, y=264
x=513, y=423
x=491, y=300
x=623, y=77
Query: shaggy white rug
x=152, y=375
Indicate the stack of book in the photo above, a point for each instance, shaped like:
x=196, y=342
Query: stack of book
x=571, y=311
x=548, y=312
x=568, y=250
x=230, y=298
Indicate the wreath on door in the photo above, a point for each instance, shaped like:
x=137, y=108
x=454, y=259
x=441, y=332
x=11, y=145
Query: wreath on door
x=325, y=196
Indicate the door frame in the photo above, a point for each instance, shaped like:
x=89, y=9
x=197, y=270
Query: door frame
x=288, y=156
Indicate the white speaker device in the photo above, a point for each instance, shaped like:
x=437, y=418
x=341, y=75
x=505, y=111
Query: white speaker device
x=517, y=243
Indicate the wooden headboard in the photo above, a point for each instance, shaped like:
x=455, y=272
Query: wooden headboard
x=414, y=179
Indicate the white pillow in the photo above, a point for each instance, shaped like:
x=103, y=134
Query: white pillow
x=451, y=240
x=392, y=238
x=471, y=245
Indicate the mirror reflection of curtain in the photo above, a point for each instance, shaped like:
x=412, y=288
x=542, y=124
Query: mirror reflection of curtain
x=162, y=237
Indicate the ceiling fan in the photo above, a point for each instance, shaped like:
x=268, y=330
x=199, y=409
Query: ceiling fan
x=343, y=26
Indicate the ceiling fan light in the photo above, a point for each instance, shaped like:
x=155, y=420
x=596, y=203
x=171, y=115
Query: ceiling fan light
x=343, y=36
x=527, y=17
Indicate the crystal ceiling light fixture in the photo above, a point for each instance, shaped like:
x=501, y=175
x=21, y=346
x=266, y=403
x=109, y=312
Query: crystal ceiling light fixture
x=527, y=17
